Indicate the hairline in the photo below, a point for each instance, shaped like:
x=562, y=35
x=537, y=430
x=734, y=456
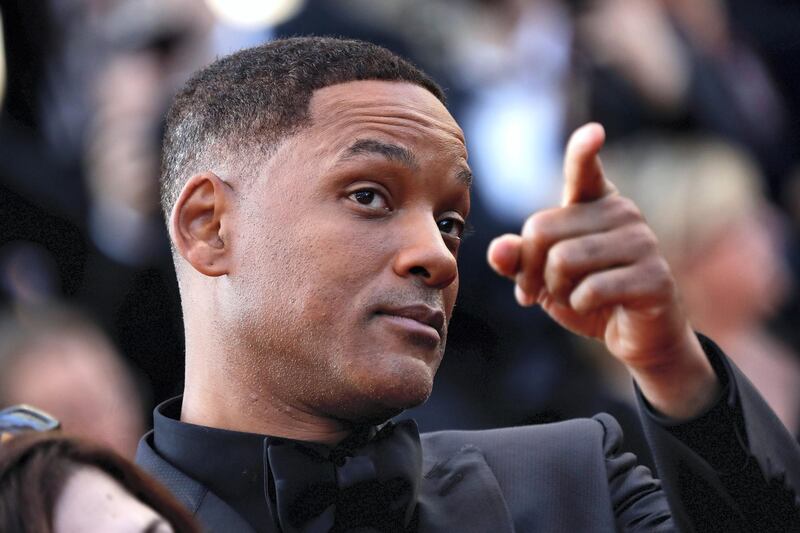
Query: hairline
x=217, y=153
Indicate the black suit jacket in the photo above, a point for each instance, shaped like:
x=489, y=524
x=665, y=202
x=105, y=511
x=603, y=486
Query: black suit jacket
x=738, y=475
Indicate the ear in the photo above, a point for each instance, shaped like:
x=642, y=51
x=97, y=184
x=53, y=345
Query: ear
x=198, y=224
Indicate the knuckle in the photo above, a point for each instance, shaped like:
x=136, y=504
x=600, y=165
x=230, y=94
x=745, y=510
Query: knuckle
x=558, y=259
x=626, y=211
x=590, y=292
x=662, y=267
x=659, y=272
x=649, y=238
x=530, y=226
x=644, y=238
x=538, y=229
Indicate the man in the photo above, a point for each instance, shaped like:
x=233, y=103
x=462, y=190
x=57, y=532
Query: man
x=317, y=191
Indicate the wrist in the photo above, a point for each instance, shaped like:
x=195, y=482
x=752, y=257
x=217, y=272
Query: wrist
x=682, y=385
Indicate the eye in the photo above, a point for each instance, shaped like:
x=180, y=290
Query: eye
x=370, y=198
x=451, y=226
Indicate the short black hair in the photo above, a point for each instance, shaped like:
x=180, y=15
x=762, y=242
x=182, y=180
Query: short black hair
x=258, y=96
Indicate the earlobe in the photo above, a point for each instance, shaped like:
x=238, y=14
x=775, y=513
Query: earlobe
x=198, y=223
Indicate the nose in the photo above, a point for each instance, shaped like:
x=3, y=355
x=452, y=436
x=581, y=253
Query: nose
x=423, y=253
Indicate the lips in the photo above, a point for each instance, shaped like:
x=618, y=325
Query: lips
x=425, y=315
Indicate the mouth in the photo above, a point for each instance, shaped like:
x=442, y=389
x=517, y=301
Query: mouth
x=416, y=319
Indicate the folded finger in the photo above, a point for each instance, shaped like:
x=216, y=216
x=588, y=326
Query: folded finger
x=546, y=228
x=643, y=284
x=569, y=261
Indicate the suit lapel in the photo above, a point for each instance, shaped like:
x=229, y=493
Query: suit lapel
x=460, y=493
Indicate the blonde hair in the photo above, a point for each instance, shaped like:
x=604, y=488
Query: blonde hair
x=689, y=190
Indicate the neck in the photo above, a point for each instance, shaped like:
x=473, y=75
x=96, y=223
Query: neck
x=216, y=397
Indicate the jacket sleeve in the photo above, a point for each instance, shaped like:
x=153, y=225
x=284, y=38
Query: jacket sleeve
x=637, y=499
x=733, y=468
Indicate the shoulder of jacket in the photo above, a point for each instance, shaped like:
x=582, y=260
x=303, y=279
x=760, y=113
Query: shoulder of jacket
x=557, y=436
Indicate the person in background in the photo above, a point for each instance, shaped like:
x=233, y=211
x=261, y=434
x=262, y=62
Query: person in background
x=50, y=482
x=60, y=361
x=88, y=84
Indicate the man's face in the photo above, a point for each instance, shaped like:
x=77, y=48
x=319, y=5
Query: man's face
x=344, y=275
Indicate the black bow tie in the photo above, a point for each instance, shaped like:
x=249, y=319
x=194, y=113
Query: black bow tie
x=362, y=484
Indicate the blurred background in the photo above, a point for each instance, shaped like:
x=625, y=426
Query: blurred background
x=700, y=100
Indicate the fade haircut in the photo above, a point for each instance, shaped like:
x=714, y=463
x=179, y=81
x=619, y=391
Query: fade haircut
x=257, y=97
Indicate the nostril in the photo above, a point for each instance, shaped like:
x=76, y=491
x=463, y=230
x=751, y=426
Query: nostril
x=420, y=271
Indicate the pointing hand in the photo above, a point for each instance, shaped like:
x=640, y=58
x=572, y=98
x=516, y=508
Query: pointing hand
x=594, y=266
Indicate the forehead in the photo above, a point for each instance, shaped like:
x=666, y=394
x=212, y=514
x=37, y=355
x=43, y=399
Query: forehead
x=92, y=500
x=403, y=111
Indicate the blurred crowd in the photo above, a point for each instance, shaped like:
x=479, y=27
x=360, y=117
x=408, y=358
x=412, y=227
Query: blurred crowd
x=700, y=100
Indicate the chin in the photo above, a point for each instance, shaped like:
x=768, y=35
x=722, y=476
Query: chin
x=388, y=394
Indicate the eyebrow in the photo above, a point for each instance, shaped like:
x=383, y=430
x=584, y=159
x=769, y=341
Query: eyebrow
x=392, y=152
x=465, y=176
x=395, y=153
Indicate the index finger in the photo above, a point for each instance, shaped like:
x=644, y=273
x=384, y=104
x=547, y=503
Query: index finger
x=583, y=173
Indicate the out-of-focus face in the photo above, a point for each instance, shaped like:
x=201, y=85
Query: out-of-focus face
x=345, y=275
x=76, y=377
x=743, y=272
x=93, y=502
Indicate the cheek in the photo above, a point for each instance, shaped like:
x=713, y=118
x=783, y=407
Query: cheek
x=307, y=272
x=343, y=263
